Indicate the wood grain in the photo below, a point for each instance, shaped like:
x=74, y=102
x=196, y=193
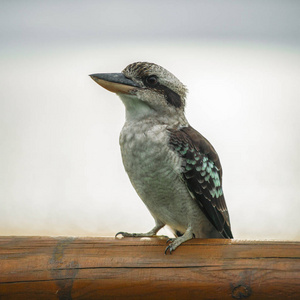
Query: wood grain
x=128, y=268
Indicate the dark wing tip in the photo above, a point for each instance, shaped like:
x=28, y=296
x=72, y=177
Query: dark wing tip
x=226, y=233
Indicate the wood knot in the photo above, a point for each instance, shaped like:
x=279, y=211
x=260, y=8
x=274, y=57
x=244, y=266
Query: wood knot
x=241, y=291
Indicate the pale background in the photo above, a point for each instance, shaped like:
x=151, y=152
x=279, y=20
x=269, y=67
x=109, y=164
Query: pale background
x=60, y=165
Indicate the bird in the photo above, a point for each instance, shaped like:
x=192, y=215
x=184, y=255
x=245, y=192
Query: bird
x=173, y=168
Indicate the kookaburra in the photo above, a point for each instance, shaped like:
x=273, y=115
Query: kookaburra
x=173, y=168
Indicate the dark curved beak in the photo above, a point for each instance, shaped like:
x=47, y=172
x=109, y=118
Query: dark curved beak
x=115, y=82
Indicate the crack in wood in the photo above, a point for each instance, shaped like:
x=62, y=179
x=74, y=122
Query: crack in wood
x=64, y=285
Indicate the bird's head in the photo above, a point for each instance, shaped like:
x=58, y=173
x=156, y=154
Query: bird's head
x=147, y=90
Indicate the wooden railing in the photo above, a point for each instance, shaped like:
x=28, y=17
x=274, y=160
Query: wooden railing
x=108, y=268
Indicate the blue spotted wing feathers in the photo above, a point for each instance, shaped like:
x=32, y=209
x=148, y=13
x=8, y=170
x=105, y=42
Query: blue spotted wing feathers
x=202, y=173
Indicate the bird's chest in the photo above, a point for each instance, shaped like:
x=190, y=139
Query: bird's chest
x=150, y=163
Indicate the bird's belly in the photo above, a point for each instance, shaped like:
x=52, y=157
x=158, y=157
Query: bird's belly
x=154, y=169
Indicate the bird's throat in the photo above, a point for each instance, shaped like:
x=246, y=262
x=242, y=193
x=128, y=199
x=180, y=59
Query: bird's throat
x=136, y=109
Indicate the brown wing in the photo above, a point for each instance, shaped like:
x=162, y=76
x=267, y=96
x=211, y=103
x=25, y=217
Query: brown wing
x=202, y=173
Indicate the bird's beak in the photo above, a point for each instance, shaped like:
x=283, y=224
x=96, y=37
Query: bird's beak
x=115, y=82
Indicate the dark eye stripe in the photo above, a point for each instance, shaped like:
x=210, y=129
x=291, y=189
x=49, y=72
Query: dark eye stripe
x=171, y=97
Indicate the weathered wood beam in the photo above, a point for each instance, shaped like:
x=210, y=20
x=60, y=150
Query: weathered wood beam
x=108, y=268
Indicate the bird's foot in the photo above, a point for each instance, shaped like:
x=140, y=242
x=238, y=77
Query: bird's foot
x=172, y=246
x=127, y=234
x=175, y=242
x=147, y=234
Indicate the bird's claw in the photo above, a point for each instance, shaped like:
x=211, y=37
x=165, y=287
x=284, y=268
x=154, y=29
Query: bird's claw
x=124, y=234
x=170, y=249
x=170, y=240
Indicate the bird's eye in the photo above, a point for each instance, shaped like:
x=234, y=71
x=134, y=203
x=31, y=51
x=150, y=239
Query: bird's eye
x=151, y=80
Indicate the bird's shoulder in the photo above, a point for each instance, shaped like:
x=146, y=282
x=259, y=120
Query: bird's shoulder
x=194, y=142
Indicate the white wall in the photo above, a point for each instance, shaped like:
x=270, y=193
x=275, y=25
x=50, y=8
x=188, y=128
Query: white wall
x=60, y=166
